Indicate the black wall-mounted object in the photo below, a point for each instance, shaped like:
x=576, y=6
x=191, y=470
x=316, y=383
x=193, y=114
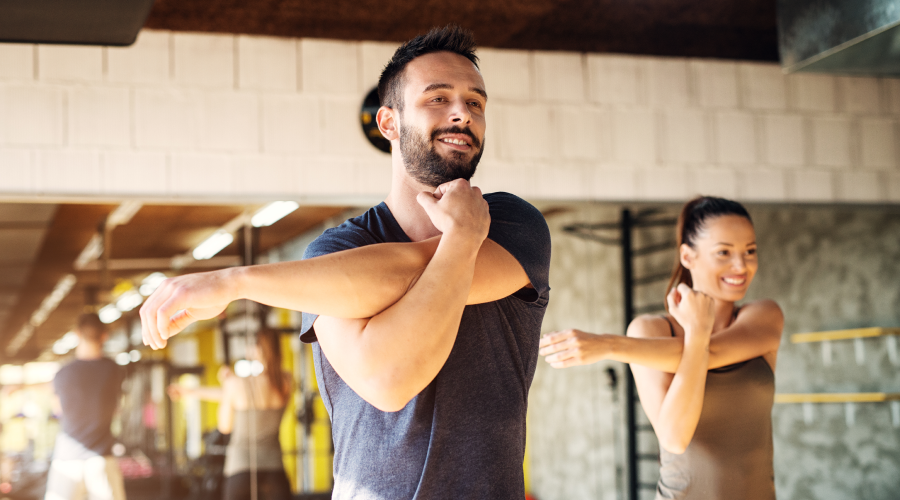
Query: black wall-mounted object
x=80, y=22
x=857, y=37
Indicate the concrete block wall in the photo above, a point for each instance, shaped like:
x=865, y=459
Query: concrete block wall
x=212, y=116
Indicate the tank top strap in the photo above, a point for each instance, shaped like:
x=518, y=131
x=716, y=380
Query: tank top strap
x=671, y=327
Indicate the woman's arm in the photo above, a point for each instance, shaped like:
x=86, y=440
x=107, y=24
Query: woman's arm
x=673, y=402
x=206, y=393
x=226, y=405
x=756, y=332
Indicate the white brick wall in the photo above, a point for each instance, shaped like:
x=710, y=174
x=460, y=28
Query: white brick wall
x=186, y=115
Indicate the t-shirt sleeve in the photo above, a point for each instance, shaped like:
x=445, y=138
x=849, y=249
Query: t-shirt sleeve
x=521, y=230
x=344, y=237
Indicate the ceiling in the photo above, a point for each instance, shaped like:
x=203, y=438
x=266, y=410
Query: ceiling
x=731, y=29
x=39, y=244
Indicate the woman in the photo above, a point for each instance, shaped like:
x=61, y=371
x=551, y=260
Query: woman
x=705, y=370
x=250, y=410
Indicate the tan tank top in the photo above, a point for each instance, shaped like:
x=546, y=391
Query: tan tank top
x=730, y=456
x=257, y=429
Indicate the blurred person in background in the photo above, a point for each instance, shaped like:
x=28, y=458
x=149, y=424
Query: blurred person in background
x=87, y=393
x=250, y=410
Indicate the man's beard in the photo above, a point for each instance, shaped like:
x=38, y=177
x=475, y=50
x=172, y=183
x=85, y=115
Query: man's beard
x=427, y=166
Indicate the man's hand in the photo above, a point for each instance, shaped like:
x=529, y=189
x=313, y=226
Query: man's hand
x=457, y=209
x=180, y=301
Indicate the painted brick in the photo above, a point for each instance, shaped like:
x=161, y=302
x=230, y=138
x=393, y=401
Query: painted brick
x=374, y=176
x=230, y=122
x=860, y=187
x=135, y=172
x=762, y=185
x=579, y=132
x=374, y=56
x=16, y=61
x=203, y=60
x=713, y=182
x=684, y=136
x=522, y=133
x=16, y=171
x=74, y=63
x=290, y=124
x=613, y=183
x=634, y=136
x=831, y=136
x=878, y=143
x=495, y=113
x=99, y=116
x=668, y=82
x=562, y=181
x=784, y=140
x=892, y=94
x=519, y=177
x=717, y=83
x=330, y=67
x=559, y=76
x=763, y=86
x=267, y=63
x=893, y=187
x=341, y=132
x=811, y=92
x=69, y=171
x=662, y=184
x=266, y=175
x=616, y=79
x=202, y=174
x=860, y=95
x=811, y=186
x=167, y=118
x=328, y=177
x=507, y=74
x=145, y=62
x=34, y=115
x=735, y=138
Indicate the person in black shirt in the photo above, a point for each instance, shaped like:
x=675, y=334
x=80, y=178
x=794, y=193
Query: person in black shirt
x=88, y=391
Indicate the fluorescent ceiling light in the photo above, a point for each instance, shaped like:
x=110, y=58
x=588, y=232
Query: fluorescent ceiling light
x=123, y=359
x=123, y=213
x=109, y=313
x=129, y=300
x=151, y=283
x=212, y=245
x=273, y=212
x=49, y=304
x=91, y=252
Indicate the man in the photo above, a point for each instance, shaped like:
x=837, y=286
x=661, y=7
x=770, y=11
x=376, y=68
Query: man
x=426, y=309
x=88, y=391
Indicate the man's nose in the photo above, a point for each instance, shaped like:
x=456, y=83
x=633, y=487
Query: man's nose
x=459, y=113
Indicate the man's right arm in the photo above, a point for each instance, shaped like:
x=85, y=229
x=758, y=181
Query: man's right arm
x=356, y=283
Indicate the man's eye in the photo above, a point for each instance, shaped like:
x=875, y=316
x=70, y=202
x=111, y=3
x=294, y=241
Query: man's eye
x=476, y=104
x=722, y=253
x=752, y=251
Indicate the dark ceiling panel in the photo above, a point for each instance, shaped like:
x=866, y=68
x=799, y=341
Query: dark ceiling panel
x=96, y=22
x=737, y=29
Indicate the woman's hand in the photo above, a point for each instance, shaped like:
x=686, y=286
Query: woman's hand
x=176, y=392
x=693, y=310
x=573, y=348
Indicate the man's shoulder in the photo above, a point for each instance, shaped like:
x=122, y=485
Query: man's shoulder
x=352, y=233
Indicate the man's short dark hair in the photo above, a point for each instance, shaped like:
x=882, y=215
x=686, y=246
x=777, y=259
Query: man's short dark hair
x=89, y=327
x=450, y=38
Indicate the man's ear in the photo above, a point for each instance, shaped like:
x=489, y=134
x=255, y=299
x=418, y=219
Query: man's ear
x=388, y=120
x=687, y=255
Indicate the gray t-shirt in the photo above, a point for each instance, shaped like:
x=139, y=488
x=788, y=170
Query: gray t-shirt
x=463, y=436
x=89, y=392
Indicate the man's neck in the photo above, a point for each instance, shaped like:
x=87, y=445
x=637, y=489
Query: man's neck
x=88, y=351
x=406, y=210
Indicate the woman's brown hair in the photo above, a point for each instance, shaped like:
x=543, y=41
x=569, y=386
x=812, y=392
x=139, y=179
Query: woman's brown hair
x=691, y=222
x=268, y=345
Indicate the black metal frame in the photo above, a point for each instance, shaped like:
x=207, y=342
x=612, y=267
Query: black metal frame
x=626, y=225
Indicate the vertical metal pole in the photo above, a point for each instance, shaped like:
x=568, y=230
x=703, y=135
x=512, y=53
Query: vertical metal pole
x=631, y=473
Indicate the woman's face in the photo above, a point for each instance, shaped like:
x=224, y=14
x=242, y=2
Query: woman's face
x=723, y=259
